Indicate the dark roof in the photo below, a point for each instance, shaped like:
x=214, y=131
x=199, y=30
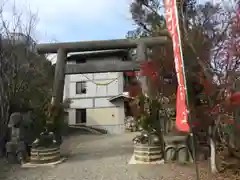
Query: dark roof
x=99, y=54
x=119, y=97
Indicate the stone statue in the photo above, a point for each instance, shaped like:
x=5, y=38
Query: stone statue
x=15, y=148
x=47, y=139
x=29, y=134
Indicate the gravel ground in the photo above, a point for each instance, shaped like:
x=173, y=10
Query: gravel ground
x=98, y=157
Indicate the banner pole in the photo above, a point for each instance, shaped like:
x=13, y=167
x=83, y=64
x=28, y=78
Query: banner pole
x=183, y=115
x=187, y=95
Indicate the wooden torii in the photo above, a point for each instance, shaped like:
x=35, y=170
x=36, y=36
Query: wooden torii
x=62, y=49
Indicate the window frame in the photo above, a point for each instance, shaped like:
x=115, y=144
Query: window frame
x=83, y=87
x=81, y=114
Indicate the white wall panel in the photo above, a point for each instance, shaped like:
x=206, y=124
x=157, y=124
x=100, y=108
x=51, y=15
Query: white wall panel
x=102, y=102
x=80, y=77
x=112, y=89
x=81, y=103
x=108, y=75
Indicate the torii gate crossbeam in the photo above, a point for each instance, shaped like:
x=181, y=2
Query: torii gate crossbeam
x=63, y=48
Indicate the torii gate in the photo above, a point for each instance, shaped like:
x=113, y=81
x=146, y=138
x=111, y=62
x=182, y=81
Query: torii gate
x=62, y=49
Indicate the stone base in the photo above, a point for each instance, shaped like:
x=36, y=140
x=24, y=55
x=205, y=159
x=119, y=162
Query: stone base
x=147, y=153
x=52, y=164
x=133, y=161
x=177, y=153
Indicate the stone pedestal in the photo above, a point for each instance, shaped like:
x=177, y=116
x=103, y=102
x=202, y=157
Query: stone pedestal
x=42, y=155
x=147, y=153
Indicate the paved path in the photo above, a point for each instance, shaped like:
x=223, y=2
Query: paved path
x=95, y=157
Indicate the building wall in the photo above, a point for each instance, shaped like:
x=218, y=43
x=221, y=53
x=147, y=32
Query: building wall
x=100, y=87
x=109, y=118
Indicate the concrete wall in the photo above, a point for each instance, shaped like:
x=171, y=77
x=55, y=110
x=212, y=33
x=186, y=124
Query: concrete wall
x=108, y=118
x=100, y=87
x=111, y=119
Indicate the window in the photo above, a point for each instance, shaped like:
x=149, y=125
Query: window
x=66, y=116
x=81, y=116
x=81, y=87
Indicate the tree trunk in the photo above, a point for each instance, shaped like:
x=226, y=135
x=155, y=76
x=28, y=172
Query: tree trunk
x=213, y=156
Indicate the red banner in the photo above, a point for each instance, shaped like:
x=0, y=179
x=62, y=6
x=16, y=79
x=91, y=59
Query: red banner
x=173, y=27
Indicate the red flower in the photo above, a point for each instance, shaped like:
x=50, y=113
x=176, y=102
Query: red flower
x=148, y=69
x=216, y=109
x=235, y=98
x=154, y=76
x=195, y=124
x=207, y=85
x=131, y=73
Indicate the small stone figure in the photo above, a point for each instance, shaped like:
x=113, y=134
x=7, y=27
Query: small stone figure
x=150, y=138
x=47, y=139
x=15, y=148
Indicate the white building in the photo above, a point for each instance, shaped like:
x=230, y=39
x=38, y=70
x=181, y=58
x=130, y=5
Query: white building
x=92, y=95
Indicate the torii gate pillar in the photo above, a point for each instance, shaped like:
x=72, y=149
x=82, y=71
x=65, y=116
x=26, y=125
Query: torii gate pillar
x=59, y=77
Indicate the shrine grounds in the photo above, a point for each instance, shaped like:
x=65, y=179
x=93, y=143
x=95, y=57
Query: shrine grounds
x=98, y=157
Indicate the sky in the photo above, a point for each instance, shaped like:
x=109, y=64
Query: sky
x=75, y=20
